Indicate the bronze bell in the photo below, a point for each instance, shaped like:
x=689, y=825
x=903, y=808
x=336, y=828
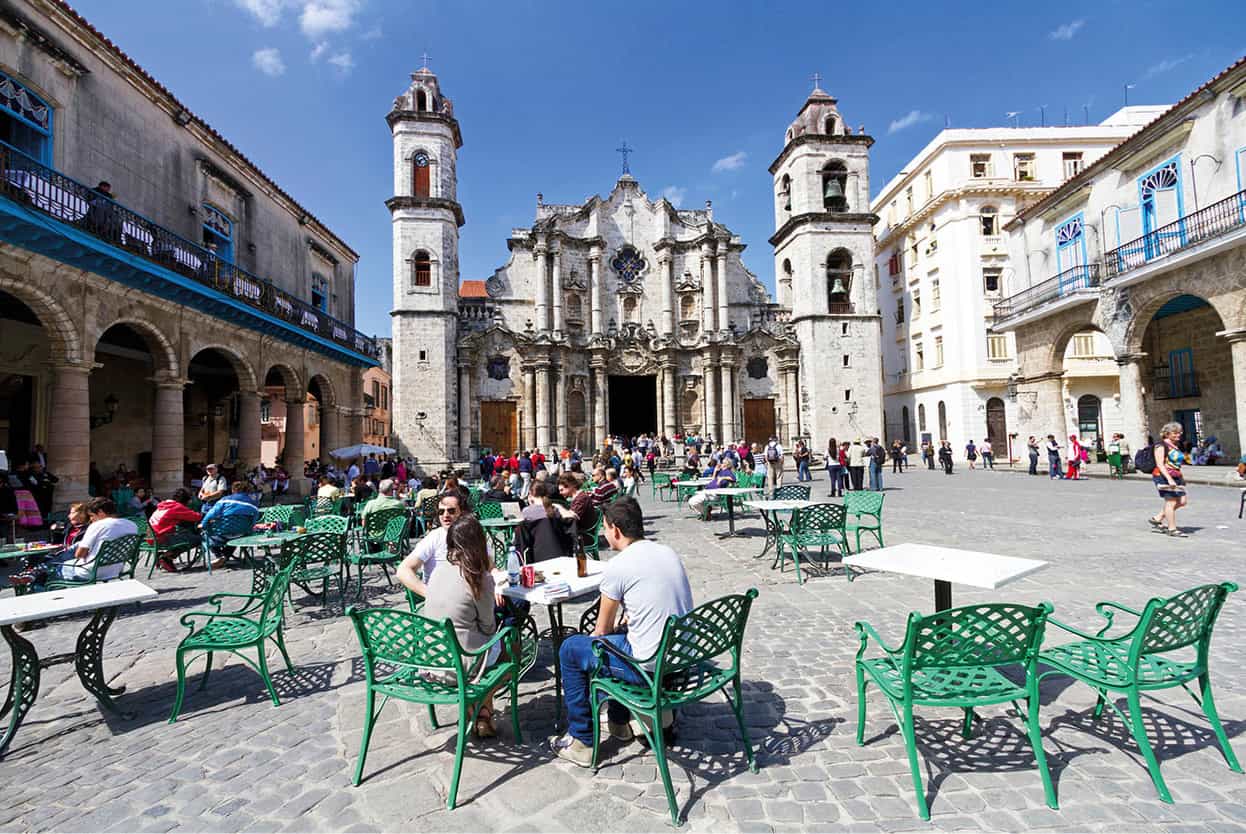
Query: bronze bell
x=834, y=190
x=838, y=287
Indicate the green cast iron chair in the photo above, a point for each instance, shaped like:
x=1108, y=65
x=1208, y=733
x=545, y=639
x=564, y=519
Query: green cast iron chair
x=123, y=550
x=953, y=659
x=698, y=656
x=591, y=538
x=233, y=631
x=485, y=509
x=790, y=492
x=820, y=526
x=391, y=548
x=221, y=529
x=1140, y=660
x=328, y=524
x=408, y=646
x=316, y=557
x=278, y=513
x=862, y=504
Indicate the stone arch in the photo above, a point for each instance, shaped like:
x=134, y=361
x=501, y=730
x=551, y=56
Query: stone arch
x=64, y=339
x=1060, y=341
x=325, y=383
x=161, y=346
x=1135, y=330
x=247, y=380
x=289, y=378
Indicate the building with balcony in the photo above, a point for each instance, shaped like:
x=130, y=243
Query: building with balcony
x=377, y=414
x=1146, y=247
x=156, y=287
x=943, y=264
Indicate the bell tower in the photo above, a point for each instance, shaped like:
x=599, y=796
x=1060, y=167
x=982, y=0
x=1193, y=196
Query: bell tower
x=426, y=218
x=824, y=256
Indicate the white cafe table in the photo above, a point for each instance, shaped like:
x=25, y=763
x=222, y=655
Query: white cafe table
x=770, y=509
x=731, y=493
x=561, y=569
x=103, y=598
x=946, y=565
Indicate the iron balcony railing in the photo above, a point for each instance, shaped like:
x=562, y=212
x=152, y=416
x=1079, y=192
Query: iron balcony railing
x=1206, y=223
x=69, y=201
x=1069, y=282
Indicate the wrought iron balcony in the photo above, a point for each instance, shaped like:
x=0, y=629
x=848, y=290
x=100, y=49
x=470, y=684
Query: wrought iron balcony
x=1205, y=224
x=1070, y=282
x=68, y=201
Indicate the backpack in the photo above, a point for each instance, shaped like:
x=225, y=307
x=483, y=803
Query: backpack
x=772, y=452
x=1144, y=459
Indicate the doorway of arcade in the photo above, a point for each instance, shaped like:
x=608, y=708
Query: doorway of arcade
x=633, y=405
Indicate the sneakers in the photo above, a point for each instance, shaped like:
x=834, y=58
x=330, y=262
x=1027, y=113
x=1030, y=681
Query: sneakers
x=622, y=732
x=573, y=750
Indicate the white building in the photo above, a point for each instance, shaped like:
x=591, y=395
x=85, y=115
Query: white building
x=942, y=260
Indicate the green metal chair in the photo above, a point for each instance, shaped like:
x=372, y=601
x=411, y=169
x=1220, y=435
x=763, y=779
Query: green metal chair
x=328, y=524
x=789, y=492
x=123, y=550
x=1140, y=660
x=152, y=551
x=391, y=547
x=821, y=526
x=698, y=656
x=408, y=645
x=278, y=513
x=234, y=631
x=591, y=538
x=859, y=505
x=316, y=557
x=485, y=509
x=222, y=529
x=953, y=659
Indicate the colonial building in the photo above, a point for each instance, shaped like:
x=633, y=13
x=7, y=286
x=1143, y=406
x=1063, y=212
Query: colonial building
x=623, y=314
x=1146, y=246
x=942, y=255
x=142, y=325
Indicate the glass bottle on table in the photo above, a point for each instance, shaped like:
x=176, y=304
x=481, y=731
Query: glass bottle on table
x=581, y=560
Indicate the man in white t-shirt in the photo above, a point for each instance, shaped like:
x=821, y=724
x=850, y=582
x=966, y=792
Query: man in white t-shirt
x=643, y=585
x=431, y=549
x=104, y=527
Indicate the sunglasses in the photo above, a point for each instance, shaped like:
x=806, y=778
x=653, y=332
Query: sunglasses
x=447, y=511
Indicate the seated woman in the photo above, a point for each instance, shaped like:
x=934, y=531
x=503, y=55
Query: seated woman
x=34, y=573
x=174, y=524
x=548, y=530
x=465, y=596
x=722, y=476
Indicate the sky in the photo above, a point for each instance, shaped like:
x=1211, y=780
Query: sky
x=546, y=91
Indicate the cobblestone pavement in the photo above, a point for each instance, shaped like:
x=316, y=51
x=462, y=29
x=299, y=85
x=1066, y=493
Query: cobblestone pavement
x=234, y=762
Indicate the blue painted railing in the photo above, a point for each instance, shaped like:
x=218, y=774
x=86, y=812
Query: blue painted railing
x=1215, y=220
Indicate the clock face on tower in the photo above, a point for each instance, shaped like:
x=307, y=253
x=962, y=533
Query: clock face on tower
x=421, y=160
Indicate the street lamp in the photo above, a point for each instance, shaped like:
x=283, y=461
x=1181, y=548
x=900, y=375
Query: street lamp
x=111, y=404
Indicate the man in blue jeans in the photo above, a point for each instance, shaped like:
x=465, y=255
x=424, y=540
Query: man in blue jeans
x=645, y=584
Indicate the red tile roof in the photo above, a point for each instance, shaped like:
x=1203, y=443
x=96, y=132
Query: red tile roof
x=472, y=289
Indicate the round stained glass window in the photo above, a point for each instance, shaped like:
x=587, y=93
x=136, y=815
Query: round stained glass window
x=628, y=264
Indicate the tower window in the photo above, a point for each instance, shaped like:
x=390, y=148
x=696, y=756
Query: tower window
x=787, y=268
x=844, y=328
x=423, y=356
x=845, y=360
x=421, y=100
x=422, y=182
x=320, y=292
x=830, y=126
x=992, y=280
x=785, y=192
x=988, y=217
x=839, y=280
x=25, y=120
x=980, y=165
x=835, y=187
x=423, y=273
x=847, y=395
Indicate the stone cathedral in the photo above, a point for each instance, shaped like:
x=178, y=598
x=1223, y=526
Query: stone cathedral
x=623, y=314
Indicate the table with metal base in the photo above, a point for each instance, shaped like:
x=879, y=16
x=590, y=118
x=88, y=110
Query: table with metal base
x=770, y=510
x=731, y=493
x=104, y=599
x=946, y=565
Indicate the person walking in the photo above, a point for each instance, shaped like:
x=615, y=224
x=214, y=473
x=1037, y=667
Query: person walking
x=1076, y=451
x=1031, y=446
x=834, y=469
x=897, y=457
x=1053, y=457
x=971, y=454
x=774, y=465
x=928, y=455
x=857, y=456
x=878, y=456
x=801, y=455
x=988, y=454
x=945, y=456
x=1168, y=480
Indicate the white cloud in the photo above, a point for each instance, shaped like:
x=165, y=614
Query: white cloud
x=267, y=12
x=323, y=17
x=318, y=51
x=730, y=163
x=268, y=61
x=675, y=195
x=908, y=120
x=1066, y=31
x=1166, y=65
x=372, y=34
x=343, y=61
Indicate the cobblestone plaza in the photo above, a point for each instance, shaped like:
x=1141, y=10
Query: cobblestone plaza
x=234, y=762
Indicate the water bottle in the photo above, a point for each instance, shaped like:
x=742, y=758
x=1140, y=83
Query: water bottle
x=513, y=566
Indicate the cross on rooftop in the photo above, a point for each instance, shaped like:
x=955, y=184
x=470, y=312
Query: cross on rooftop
x=817, y=80
x=425, y=56
x=624, y=150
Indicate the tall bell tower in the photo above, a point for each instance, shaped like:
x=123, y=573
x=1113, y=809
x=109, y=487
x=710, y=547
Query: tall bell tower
x=824, y=256
x=426, y=218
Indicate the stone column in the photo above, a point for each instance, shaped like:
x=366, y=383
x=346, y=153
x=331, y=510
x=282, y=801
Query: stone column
x=594, y=288
x=557, y=281
x=292, y=455
x=1237, y=348
x=69, y=432
x=562, y=432
x=542, y=295
x=722, y=291
x=670, y=402
x=707, y=289
x=666, y=262
x=599, y=403
x=1133, y=405
x=465, y=411
x=168, y=436
x=709, y=378
x=529, y=407
x=542, y=408
x=727, y=373
x=660, y=385
x=791, y=394
x=248, y=425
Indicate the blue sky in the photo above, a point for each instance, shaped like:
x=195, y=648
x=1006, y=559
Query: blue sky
x=545, y=91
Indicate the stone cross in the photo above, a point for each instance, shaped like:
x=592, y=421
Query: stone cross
x=624, y=150
x=817, y=79
x=425, y=56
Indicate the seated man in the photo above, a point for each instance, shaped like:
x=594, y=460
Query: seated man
x=214, y=486
x=722, y=476
x=384, y=501
x=105, y=526
x=237, y=503
x=607, y=481
x=418, y=567
x=497, y=490
x=328, y=489
x=645, y=583
x=173, y=525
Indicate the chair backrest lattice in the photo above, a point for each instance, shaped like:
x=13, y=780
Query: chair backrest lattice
x=228, y=526
x=274, y=603
x=376, y=524
x=280, y=513
x=990, y=634
x=428, y=510
x=485, y=509
x=328, y=524
x=328, y=506
x=864, y=503
x=122, y=550
x=703, y=634
x=1182, y=620
x=395, y=533
x=314, y=549
x=820, y=518
x=791, y=492
x=388, y=635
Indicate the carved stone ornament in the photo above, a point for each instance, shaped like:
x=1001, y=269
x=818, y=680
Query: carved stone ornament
x=495, y=287
x=575, y=281
x=499, y=367
x=758, y=367
x=687, y=282
x=636, y=289
x=634, y=361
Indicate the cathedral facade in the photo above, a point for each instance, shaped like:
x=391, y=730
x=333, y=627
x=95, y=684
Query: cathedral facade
x=624, y=314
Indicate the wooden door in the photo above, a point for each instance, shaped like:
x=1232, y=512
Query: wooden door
x=499, y=427
x=759, y=421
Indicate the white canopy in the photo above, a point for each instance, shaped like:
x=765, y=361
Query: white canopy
x=360, y=450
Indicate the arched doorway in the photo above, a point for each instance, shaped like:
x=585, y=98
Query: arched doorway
x=997, y=425
x=22, y=376
x=211, y=410
x=907, y=432
x=282, y=387
x=1089, y=419
x=321, y=430
x=942, y=420
x=123, y=407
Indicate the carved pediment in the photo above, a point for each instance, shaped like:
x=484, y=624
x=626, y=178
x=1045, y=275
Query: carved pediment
x=687, y=282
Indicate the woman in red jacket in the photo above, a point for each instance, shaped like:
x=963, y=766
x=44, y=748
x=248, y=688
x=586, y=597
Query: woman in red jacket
x=172, y=524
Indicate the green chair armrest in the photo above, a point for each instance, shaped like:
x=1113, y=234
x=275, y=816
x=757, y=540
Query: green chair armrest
x=1098, y=638
x=216, y=598
x=601, y=647
x=867, y=631
x=1105, y=611
x=504, y=631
